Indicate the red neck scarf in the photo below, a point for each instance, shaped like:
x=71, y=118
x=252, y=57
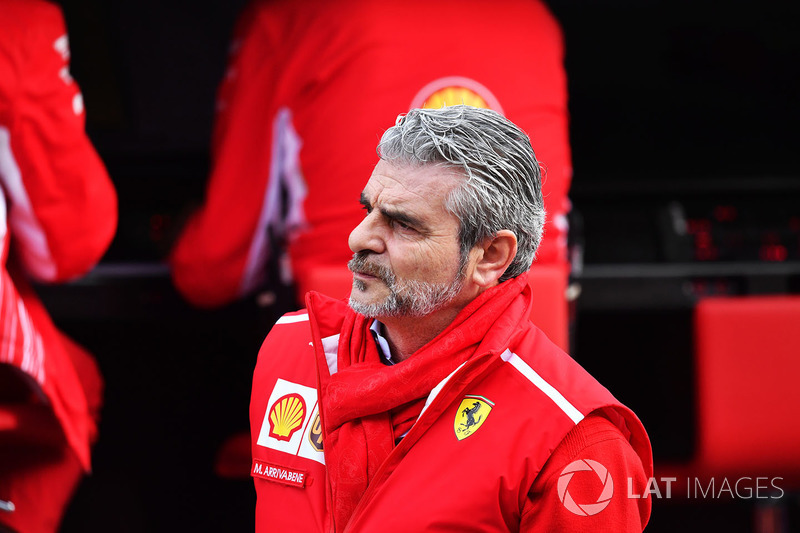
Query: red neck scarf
x=366, y=405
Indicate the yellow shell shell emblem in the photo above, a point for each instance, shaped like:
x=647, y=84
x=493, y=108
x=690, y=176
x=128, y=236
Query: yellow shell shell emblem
x=471, y=414
x=454, y=96
x=456, y=90
x=286, y=416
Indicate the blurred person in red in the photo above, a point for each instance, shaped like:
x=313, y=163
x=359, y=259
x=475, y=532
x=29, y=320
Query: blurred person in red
x=58, y=214
x=310, y=88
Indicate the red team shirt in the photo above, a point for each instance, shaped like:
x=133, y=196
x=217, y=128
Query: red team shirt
x=557, y=452
x=58, y=214
x=304, y=102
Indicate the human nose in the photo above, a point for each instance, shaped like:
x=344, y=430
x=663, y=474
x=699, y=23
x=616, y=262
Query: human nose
x=367, y=236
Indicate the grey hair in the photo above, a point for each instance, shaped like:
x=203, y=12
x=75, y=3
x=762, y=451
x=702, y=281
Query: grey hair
x=502, y=189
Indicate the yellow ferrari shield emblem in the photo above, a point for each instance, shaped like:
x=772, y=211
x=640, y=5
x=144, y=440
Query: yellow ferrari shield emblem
x=471, y=414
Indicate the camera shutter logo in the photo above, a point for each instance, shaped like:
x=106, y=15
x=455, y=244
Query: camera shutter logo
x=585, y=509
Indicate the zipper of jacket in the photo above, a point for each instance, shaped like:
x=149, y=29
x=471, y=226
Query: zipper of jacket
x=316, y=344
x=402, y=448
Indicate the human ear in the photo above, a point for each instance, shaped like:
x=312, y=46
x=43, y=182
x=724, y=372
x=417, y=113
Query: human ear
x=494, y=255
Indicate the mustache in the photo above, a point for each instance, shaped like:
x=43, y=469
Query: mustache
x=360, y=263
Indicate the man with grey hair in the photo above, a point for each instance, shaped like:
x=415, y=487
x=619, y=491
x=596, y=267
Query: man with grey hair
x=431, y=402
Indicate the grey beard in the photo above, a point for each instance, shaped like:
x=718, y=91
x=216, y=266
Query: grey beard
x=409, y=298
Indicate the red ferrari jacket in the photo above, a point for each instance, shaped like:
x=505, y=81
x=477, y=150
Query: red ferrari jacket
x=477, y=458
x=58, y=214
x=58, y=204
x=310, y=88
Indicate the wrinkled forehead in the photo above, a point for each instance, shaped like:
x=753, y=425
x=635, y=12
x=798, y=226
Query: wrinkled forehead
x=402, y=183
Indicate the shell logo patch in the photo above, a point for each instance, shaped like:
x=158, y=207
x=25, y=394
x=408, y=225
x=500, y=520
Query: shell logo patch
x=454, y=96
x=286, y=416
x=455, y=90
x=287, y=423
x=315, y=433
x=471, y=414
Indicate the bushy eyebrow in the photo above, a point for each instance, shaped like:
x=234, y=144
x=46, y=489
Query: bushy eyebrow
x=392, y=214
x=364, y=201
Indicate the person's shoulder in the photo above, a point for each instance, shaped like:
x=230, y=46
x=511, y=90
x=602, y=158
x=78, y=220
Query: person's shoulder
x=595, y=431
x=27, y=14
x=34, y=35
x=291, y=327
x=287, y=346
x=294, y=317
x=25, y=22
x=579, y=479
x=286, y=354
x=598, y=440
x=534, y=349
x=551, y=370
x=291, y=332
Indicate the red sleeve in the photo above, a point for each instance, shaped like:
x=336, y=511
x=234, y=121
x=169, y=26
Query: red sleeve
x=584, y=486
x=213, y=260
x=62, y=204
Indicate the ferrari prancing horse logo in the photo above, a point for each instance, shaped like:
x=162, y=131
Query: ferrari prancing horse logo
x=471, y=415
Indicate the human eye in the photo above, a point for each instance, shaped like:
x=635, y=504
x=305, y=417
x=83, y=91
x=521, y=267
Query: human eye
x=402, y=226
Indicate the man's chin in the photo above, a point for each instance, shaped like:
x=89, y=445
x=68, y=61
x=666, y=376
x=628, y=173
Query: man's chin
x=366, y=309
x=368, y=303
